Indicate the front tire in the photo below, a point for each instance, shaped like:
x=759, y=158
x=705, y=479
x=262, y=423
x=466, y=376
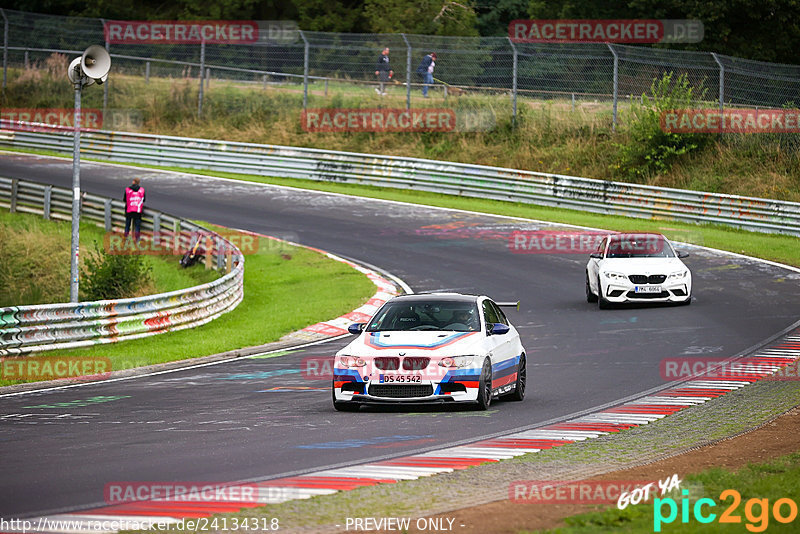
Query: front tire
x=522, y=379
x=485, y=387
x=602, y=303
x=590, y=297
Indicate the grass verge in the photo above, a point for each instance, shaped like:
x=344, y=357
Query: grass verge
x=34, y=261
x=286, y=288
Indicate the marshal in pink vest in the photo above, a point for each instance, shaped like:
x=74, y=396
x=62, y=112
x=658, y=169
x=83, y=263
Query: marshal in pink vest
x=134, y=200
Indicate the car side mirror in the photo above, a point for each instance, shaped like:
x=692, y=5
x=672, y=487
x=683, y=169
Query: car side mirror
x=355, y=328
x=682, y=253
x=596, y=255
x=498, y=329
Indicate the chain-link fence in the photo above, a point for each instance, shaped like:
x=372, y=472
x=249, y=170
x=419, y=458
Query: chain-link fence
x=587, y=71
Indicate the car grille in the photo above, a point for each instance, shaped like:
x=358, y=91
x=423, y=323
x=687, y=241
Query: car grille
x=401, y=392
x=387, y=363
x=415, y=363
x=644, y=279
x=635, y=295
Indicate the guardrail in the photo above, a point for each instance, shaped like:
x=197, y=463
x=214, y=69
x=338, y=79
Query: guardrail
x=555, y=190
x=26, y=329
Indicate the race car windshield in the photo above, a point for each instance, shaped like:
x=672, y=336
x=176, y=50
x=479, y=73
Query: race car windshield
x=439, y=315
x=640, y=246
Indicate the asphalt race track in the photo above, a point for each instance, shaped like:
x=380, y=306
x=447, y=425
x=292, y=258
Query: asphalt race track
x=260, y=418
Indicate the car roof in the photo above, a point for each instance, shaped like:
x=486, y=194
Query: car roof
x=436, y=297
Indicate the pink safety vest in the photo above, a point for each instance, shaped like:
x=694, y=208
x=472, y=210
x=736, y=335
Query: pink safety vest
x=134, y=200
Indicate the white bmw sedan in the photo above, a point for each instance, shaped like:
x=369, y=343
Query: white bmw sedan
x=637, y=268
x=431, y=348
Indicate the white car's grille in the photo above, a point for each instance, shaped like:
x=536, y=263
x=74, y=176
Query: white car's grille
x=644, y=279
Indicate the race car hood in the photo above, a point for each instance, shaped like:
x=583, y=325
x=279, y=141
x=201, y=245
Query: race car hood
x=429, y=343
x=643, y=265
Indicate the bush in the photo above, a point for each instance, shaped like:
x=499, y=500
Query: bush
x=649, y=149
x=113, y=276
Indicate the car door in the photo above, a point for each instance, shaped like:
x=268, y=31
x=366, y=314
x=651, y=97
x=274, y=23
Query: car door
x=505, y=348
x=593, y=267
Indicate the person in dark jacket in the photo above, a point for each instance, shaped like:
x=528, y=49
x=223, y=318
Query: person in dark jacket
x=134, y=206
x=383, y=71
x=425, y=70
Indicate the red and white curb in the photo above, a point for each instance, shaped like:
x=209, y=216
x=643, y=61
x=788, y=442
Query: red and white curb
x=758, y=366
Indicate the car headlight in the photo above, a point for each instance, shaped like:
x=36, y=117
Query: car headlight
x=615, y=276
x=678, y=275
x=457, y=361
x=351, y=361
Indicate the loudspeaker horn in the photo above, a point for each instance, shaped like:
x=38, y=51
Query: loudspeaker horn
x=95, y=63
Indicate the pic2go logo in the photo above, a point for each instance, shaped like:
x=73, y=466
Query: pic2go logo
x=756, y=511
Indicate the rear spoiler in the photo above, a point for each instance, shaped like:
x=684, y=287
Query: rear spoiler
x=508, y=304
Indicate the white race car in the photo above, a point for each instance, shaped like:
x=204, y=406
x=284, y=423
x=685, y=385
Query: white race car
x=431, y=348
x=637, y=268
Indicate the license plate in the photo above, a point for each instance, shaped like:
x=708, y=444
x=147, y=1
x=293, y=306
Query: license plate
x=400, y=379
x=648, y=289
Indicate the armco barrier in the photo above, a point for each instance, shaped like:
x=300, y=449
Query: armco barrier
x=544, y=189
x=26, y=329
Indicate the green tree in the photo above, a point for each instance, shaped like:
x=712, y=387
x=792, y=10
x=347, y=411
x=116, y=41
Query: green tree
x=426, y=17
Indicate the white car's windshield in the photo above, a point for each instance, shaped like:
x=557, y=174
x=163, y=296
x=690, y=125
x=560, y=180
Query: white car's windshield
x=639, y=246
x=458, y=316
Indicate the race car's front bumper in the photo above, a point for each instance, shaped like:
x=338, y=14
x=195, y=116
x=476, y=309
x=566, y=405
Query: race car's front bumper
x=619, y=291
x=459, y=385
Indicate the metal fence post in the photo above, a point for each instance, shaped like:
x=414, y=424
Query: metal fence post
x=156, y=228
x=721, y=82
x=208, y=77
x=147, y=72
x=27, y=60
x=408, y=71
x=616, y=84
x=14, y=191
x=305, y=69
x=513, y=83
x=107, y=220
x=202, y=71
x=5, y=46
x=106, y=84
x=48, y=196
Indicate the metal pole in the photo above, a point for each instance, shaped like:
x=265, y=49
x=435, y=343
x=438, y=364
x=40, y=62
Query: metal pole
x=721, y=83
x=513, y=83
x=5, y=46
x=76, y=194
x=305, y=69
x=616, y=84
x=202, y=72
x=408, y=71
x=105, y=85
x=147, y=72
